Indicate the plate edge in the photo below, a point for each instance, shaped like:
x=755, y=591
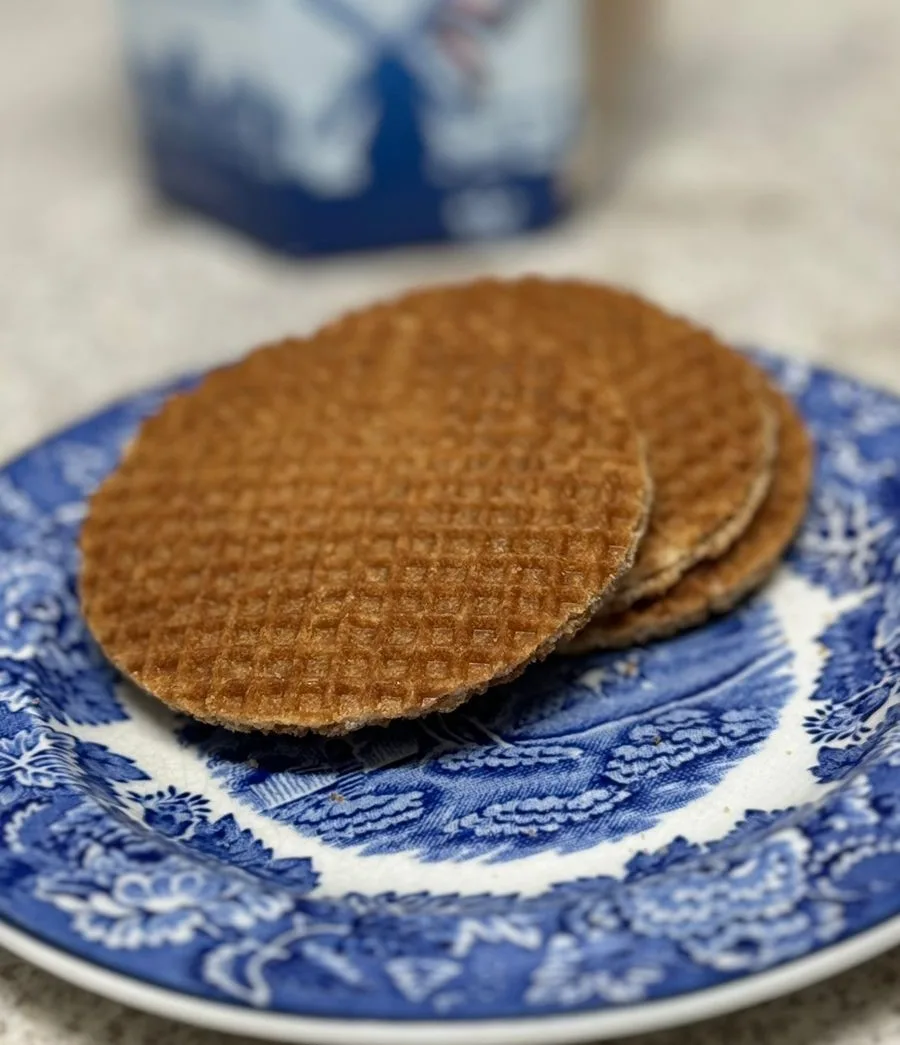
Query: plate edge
x=624, y=1021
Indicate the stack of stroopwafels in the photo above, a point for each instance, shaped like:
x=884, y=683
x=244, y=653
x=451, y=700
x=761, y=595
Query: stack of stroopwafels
x=427, y=495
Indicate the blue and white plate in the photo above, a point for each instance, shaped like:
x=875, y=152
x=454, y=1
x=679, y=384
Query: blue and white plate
x=616, y=842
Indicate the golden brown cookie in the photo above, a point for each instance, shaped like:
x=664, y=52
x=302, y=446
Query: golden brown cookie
x=373, y=523
x=715, y=586
x=700, y=407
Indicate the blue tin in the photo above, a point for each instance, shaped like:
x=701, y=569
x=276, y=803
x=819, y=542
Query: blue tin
x=328, y=125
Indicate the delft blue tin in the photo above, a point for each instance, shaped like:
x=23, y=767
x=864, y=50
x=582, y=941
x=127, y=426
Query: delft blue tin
x=328, y=125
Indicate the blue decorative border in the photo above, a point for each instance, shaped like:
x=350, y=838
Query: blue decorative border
x=154, y=886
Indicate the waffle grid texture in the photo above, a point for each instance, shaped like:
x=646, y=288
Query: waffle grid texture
x=373, y=523
x=710, y=432
x=716, y=586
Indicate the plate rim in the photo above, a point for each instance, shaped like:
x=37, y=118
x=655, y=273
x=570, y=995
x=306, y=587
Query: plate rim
x=568, y=1029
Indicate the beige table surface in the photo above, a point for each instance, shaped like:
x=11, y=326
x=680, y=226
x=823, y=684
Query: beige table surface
x=761, y=193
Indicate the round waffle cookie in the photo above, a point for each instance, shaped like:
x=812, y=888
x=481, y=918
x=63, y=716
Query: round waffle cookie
x=701, y=408
x=373, y=523
x=714, y=587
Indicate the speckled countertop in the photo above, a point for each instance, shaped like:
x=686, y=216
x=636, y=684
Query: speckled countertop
x=758, y=191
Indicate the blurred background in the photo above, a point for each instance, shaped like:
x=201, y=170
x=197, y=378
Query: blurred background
x=738, y=162
x=181, y=179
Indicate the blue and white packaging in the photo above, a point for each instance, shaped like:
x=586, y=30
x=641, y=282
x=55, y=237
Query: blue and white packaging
x=329, y=125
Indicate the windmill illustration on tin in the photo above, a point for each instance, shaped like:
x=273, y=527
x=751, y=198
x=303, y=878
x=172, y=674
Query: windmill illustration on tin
x=435, y=62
